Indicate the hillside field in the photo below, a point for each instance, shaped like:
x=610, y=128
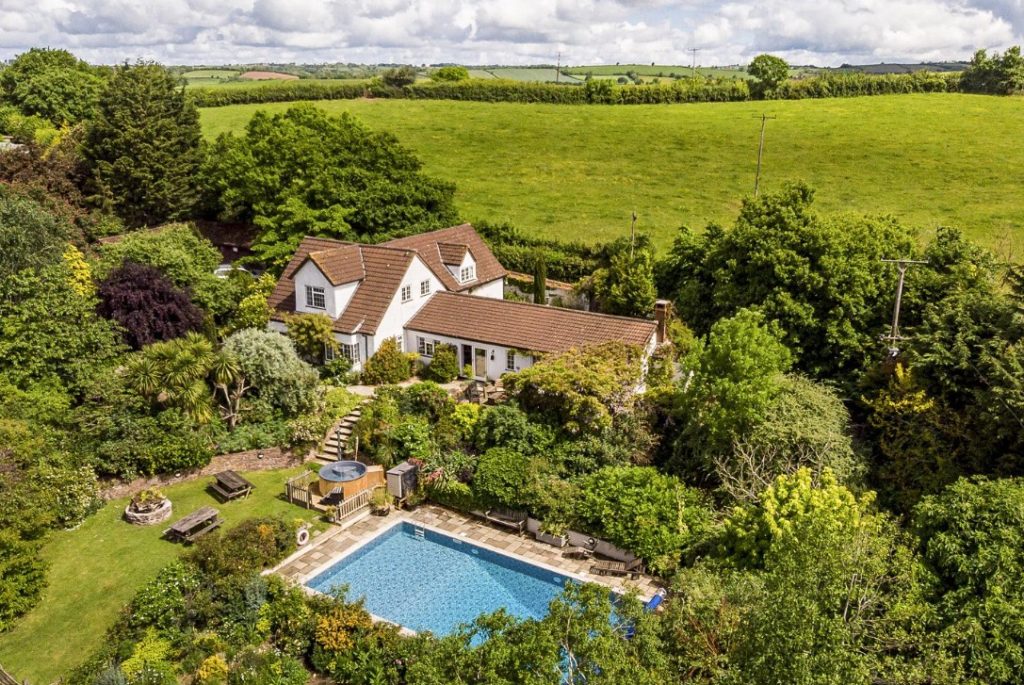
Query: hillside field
x=576, y=172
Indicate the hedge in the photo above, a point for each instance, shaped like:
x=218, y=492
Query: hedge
x=591, y=92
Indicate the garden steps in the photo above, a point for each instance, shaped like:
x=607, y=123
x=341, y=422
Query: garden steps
x=333, y=449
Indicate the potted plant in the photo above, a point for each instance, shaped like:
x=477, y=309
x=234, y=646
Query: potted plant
x=147, y=507
x=553, y=533
x=380, y=502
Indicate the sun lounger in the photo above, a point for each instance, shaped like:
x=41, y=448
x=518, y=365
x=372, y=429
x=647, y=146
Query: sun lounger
x=618, y=568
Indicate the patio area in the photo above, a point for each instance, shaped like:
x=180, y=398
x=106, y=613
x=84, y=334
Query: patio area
x=335, y=542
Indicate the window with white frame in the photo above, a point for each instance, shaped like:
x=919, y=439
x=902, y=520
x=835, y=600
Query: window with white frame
x=468, y=273
x=510, y=360
x=424, y=287
x=329, y=353
x=426, y=347
x=350, y=352
x=406, y=293
x=315, y=297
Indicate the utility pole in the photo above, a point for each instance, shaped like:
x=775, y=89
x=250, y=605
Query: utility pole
x=558, y=68
x=632, y=237
x=693, y=61
x=894, y=332
x=760, y=152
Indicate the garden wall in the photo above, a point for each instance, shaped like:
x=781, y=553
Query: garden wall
x=273, y=458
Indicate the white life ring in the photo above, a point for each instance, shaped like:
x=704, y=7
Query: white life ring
x=301, y=537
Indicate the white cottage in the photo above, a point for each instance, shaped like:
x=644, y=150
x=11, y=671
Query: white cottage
x=445, y=286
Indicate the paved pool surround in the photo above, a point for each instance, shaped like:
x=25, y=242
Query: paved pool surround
x=336, y=543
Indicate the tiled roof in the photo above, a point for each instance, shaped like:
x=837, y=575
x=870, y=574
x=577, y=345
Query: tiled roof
x=380, y=269
x=428, y=247
x=383, y=269
x=340, y=264
x=524, y=326
x=451, y=254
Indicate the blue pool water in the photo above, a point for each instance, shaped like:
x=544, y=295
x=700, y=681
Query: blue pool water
x=438, y=582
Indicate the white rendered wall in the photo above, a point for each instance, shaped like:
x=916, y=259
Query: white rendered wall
x=392, y=325
x=494, y=289
x=336, y=298
x=495, y=367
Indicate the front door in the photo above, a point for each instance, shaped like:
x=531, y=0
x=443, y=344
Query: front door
x=467, y=356
x=480, y=369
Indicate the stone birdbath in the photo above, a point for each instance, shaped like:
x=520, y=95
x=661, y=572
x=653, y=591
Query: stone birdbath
x=147, y=507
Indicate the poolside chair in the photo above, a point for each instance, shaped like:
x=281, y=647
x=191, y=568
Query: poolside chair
x=618, y=568
x=578, y=552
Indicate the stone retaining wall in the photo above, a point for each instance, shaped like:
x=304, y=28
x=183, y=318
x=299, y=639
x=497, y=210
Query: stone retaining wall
x=273, y=458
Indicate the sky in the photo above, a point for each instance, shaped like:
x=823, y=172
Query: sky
x=820, y=32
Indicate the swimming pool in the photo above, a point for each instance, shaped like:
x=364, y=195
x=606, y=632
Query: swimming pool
x=425, y=580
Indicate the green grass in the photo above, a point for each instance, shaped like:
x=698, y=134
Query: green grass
x=661, y=70
x=576, y=172
x=541, y=74
x=263, y=83
x=97, y=568
x=211, y=73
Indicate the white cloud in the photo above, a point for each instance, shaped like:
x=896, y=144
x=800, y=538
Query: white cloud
x=499, y=31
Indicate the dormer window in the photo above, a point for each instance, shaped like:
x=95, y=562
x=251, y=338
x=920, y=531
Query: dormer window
x=315, y=297
x=468, y=273
x=406, y=293
x=424, y=287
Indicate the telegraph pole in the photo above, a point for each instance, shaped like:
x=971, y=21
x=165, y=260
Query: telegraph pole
x=693, y=61
x=632, y=237
x=558, y=68
x=894, y=331
x=760, y=152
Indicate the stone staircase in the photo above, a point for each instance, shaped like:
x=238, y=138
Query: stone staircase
x=336, y=443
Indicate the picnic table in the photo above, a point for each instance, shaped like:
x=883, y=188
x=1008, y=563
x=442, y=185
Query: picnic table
x=198, y=523
x=230, y=485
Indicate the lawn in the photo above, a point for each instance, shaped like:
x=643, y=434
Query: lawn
x=577, y=172
x=96, y=569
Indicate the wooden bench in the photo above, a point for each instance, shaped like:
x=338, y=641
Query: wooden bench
x=230, y=485
x=193, y=526
x=514, y=520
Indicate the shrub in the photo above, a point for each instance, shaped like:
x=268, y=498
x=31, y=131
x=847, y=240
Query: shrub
x=251, y=436
x=502, y=478
x=268, y=361
x=251, y=546
x=651, y=514
x=388, y=365
x=444, y=367
x=338, y=371
x=506, y=425
x=22, y=577
x=147, y=305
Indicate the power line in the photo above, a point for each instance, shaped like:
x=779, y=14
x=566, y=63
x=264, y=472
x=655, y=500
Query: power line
x=894, y=331
x=760, y=151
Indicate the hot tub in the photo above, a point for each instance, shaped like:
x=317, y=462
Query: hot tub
x=350, y=476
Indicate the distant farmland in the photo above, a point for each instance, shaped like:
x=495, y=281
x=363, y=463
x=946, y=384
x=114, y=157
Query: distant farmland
x=576, y=172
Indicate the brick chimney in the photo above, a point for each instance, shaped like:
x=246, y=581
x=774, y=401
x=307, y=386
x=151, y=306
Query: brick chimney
x=662, y=312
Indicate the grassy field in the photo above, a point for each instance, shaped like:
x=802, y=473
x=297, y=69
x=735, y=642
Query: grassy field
x=97, y=568
x=576, y=172
x=659, y=70
x=531, y=74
